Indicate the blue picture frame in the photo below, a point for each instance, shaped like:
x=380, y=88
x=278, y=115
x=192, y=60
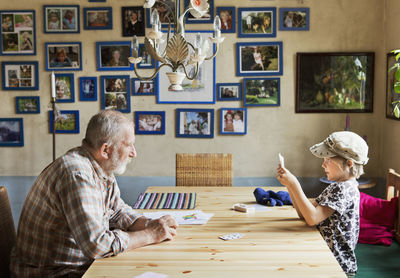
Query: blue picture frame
x=20, y=76
x=150, y=122
x=88, y=88
x=19, y=36
x=257, y=22
x=61, y=24
x=68, y=121
x=65, y=87
x=115, y=92
x=27, y=105
x=229, y=91
x=228, y=25
x=294, y=19
x=102, y=1
x=164, y=23
x=91, y=20
x=144, y=87
x=63, y=56
x=233, y=121
x=262, y=91
x=208, y=18
x=11, y=132
x=269, y=60
x=195, y=123
x=106, y=57
x=147, y=62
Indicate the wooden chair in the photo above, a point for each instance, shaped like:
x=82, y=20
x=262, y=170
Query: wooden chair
x=393, y=189
x=7, y=232
x=204, y=169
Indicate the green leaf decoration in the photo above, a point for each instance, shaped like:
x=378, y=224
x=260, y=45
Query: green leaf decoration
x=396, y=87
x=397, y=56
x=397, y=74
x=396, y=111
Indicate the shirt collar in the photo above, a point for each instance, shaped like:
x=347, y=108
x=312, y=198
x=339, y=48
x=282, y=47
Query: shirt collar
x=100, y=172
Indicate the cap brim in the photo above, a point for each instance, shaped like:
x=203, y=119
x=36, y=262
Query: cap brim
x=321, y=150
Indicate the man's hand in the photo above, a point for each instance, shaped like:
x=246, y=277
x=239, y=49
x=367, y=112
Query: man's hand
x=163, y=228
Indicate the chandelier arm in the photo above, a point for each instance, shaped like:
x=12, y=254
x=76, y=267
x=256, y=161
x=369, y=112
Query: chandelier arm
x=194, y=74
x=153, y=75
x=215, y=53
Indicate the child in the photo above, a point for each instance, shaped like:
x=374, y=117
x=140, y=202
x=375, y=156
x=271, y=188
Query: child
x=238, y=125
x=54, y=21
x=226, y=20
x=335, y=212
x=228, y=123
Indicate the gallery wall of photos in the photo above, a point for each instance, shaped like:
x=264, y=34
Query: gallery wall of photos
x=259, y=64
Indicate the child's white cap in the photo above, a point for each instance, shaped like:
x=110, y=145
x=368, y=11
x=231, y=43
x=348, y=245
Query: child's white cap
x=346, y=144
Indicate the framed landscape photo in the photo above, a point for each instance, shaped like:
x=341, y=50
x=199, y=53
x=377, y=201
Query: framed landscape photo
x=259, y=58
x=66, y=122
x=63, y=56
x=294, y=19
x=88, y=88
x=144, y=87
x=99, y=18
x=11, y=132
x=65, y=87
x=27, y=105
x=229, y=91
x=61, y=19
x=133, y=21
x=233, y=121
x=208, y=17
x=257, y=22
x=261, y=91
x=195, y=123
x=115, y=92
x=20, y=76
x=165, y=14
x=18, y=32
x=113, y=55
x=329, y=82
x=228, y=19
x=391, y=95
x=150, y=122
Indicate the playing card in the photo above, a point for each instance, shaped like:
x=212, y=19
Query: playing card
x=231, y=236
x=281, y=160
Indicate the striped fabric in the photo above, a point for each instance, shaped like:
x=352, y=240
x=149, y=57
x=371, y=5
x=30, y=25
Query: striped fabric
x=166, y=201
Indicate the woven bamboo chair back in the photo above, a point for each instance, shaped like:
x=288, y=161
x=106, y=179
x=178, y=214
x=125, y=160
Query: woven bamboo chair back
x=204, y=169
x=392, y=190
x=7, y=232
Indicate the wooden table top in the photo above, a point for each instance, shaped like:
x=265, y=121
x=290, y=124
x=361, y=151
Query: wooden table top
x=276, y=243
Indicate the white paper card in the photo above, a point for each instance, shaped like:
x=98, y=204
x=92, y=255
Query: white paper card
x=187, y=217
x=281, y=160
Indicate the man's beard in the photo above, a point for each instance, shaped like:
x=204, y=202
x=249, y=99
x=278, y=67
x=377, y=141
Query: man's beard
x=115, y=165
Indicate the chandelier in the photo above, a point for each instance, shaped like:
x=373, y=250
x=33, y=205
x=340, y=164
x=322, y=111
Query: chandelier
x=178, y=54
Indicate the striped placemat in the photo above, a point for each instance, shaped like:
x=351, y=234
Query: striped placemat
x=166, y=201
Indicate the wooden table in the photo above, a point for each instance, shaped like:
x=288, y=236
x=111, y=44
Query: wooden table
x=275, y=244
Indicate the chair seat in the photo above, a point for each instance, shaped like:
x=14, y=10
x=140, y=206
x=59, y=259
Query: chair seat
x=7, y=232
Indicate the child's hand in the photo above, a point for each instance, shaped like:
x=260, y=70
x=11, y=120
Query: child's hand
x=285, y=177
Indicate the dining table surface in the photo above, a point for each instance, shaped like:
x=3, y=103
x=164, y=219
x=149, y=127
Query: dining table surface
x=275, y=243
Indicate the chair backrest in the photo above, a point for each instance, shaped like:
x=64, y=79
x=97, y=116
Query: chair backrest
x=7, y=232
x=392, y=190
x=204, y=169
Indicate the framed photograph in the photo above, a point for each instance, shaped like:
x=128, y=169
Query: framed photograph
x=144, y=87
x=233, y=121
x=27, y=105
x=257, y=22
x=88, y=88
x=20, y=76
x=66, y=122
x=294, y=19
x=11, y=132
x=165, y=14
x=133, y=21
x=150, y=122
x=113, y=55
x=63, y=56
x=229, y=91
x=341, y=82
x=206, y=18
x=97, y=18
x=18, y=32
x=259, y=58
x=147, y=62
x=199, y=90
x=196, y=123
x=61, y=19
x=228, y=19
x=391, y=95
x=65, y=87
x=261, y=91
x=115, y=92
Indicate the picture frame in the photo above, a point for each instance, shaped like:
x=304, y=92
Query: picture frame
x=195, y=123
x=63, y=56
x=257, y=22
x=259, y=58
x=163, y=13
x=99, y=18
x=18, y=32
x=391, y=95
x=20, y=75
x=65, y=87
x=66, y=122
x=261, y=91
x=147, y=62
x=206, y=18
x=144, y=87
x=27, y=105
x=133, y=21
x=294, y=19
x=113, y=56
x=229, y=91
x=11, y=132
x=102, y=1
x=88, y=88
x=150, y=122
x=115, y=92
x=233, y=121
x=199, y=90
x=60, y=19
x=228, y=19
x=334, y=82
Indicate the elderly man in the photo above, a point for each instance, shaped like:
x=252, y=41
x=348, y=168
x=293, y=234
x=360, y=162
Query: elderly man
x=74, y=214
